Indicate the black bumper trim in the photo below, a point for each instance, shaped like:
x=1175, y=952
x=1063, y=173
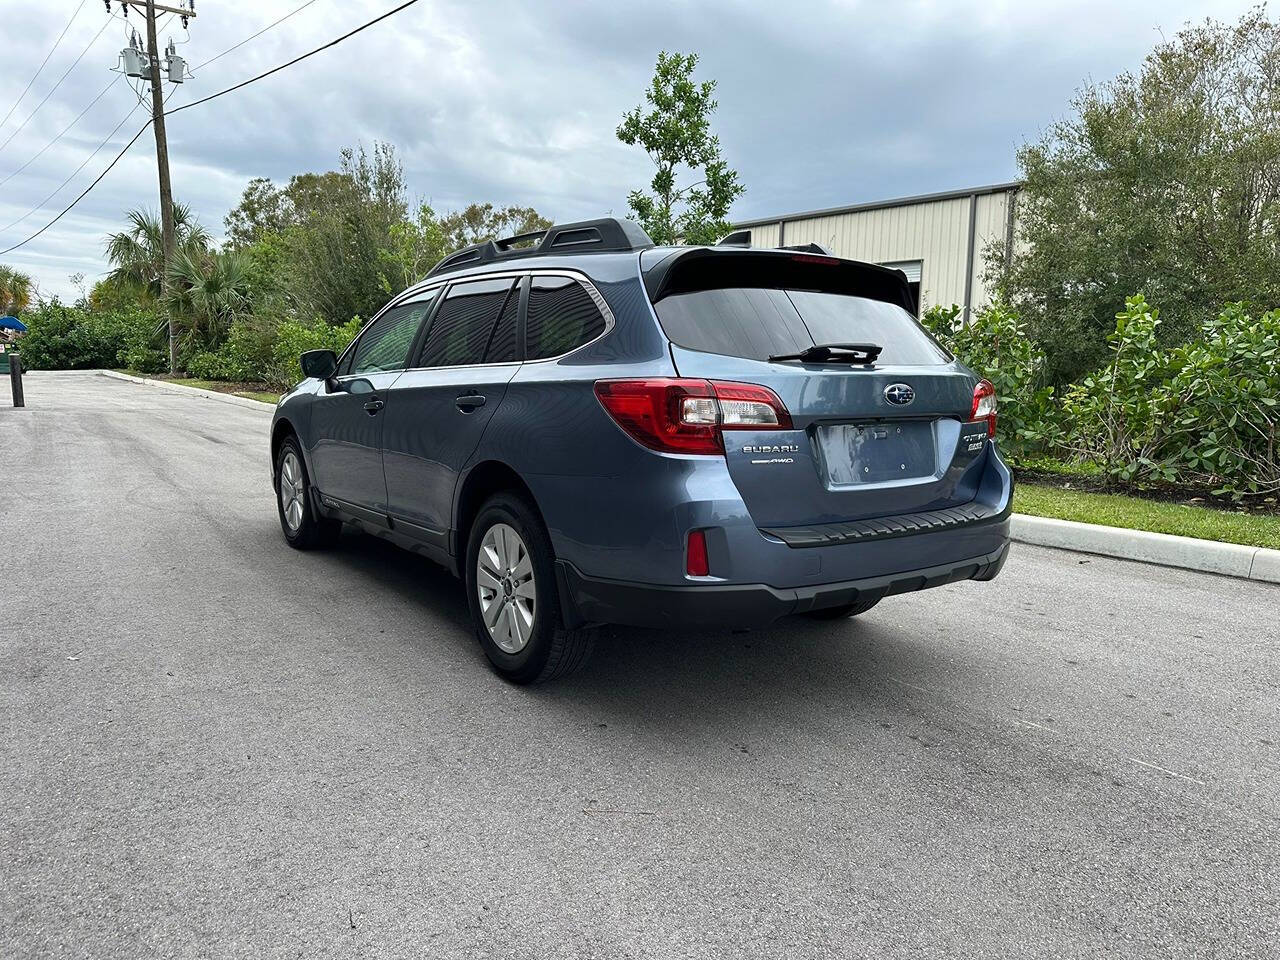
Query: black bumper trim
x=586, y=599
x=886, y=528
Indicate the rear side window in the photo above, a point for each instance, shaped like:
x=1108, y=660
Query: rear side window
x=460, y=332
x=757, y=323
x=385, y=345
x=562, y=316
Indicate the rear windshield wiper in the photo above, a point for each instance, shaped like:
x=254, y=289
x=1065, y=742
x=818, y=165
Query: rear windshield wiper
x=835, y=353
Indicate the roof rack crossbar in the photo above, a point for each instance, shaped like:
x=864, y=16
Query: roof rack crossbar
x=588, y=236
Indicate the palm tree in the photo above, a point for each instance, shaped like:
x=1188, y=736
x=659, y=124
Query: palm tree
x=206, y=292
x=15, y=291
x=137, y=254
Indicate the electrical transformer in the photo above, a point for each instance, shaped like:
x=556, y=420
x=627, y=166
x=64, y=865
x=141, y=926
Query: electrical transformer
x=135, y=62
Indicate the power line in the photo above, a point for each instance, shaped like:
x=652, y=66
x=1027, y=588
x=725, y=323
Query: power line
x=42, y=64
x=284, y=66
x=76, y=172
x=64, y=131
x=96, y=181
x=61, y=134
x=186, y=106
x=54, y=90
x=254, y=36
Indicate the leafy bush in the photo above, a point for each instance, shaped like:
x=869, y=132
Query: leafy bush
x=1221, y=404
x=294, y=338
x=1118, y=415
x=72, y=338
x=246, y=354
x=1202, y=414
x=995, y=345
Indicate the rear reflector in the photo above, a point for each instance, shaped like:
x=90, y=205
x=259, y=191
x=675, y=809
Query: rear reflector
x=696, y=564
x=676, y=415
x=984, y=405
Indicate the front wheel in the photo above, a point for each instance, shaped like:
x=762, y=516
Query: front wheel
x=511, y=590
x=302, y=525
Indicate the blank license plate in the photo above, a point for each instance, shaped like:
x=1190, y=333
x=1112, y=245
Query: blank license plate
x=877, y=452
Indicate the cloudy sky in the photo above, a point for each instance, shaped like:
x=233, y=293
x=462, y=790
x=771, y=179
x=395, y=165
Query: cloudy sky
x=821, y=103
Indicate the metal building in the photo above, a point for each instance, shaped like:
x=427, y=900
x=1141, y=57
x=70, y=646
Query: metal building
x=942, y=241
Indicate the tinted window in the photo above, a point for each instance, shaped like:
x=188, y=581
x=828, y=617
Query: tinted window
x=757, y=323
x=562, y=316
x=460, y=332
x=385, y=345
x=502, y=343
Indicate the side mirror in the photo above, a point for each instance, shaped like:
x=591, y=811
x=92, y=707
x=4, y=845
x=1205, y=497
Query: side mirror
x=319, y=364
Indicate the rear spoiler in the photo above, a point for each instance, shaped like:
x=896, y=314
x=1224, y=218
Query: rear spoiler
x=711, y=268
x=742, y=238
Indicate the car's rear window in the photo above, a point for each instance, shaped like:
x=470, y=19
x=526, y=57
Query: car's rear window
x=759, y=322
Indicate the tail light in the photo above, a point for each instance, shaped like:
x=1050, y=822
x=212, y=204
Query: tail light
x=687, y=416
x=984, y=405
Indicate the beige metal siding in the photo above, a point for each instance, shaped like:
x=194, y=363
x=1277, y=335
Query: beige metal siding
x=765, y=235
x=935, y=232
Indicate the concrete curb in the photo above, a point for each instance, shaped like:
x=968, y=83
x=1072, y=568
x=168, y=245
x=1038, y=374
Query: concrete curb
x=1186, y=553
x=196, y=391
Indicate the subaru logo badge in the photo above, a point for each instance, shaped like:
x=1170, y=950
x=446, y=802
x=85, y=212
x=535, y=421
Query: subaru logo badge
x=899, y=394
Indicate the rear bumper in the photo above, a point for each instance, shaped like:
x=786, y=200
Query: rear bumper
x=586, y=599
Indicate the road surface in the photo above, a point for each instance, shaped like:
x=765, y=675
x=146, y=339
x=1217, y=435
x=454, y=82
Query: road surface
x=216, y=746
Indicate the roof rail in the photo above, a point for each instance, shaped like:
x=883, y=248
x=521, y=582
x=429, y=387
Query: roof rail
x=587, y=236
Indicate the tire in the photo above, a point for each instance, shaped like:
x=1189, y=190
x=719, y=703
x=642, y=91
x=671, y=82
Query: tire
x=517, y=592
x=843, y=611
x=303, y=526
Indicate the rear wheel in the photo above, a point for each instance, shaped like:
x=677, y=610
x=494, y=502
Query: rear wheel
x=302, y=525
x=511, y=590
x=843, y=611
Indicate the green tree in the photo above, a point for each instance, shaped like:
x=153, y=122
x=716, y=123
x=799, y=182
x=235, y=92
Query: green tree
x=675, y=130
x=263, y=209
x=136, y=254
x=15, y=291
x=1167, y=182
x=483, y=221
x=342, y=221
x=419, y=243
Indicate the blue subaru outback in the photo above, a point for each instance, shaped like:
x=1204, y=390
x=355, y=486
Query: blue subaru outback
x=588, y=428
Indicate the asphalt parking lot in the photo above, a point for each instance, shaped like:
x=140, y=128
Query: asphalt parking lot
x=216, y=746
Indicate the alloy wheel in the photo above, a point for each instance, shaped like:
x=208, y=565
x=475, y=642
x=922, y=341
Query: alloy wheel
x=292, y=501
x=504, y=581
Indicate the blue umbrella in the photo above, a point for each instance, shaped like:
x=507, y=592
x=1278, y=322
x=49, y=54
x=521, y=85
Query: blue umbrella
x=12, y=323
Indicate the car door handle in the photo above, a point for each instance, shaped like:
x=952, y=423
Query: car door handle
x=373, y=406
x=469, y=401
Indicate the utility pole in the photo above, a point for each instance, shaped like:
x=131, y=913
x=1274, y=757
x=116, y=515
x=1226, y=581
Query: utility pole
x=166, y=187
x=168, y=237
